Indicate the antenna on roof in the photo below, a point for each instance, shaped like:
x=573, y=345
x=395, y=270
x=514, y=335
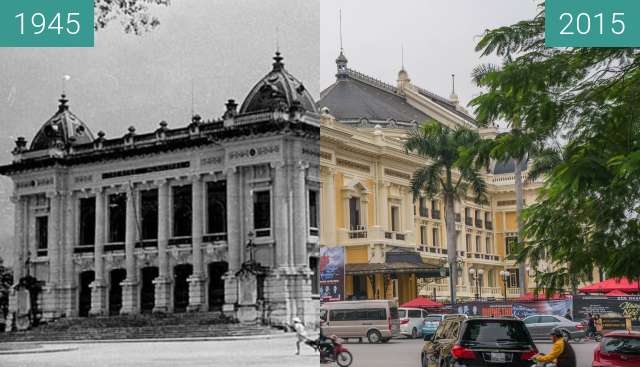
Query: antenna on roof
x=453, y=83
x=402, y=52
x=340, y=28
x=193, y=98
x=65, y=78
x=277, y=39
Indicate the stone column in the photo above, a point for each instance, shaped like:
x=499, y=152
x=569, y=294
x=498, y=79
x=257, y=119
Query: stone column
x=301, y=228
x=19, y=253
x=383, y=207
x=51, y=306
x=197, y=280
x=233, y=240
x=98, y=286
x=163, y=282
x=130, y=304
x=69, y=286
x=280, y=205
x=328, y=207
x=410, y=222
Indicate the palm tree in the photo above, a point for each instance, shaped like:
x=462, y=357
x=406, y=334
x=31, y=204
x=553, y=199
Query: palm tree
x=447, y=176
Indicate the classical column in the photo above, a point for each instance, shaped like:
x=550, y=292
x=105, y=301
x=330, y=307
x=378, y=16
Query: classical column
x=98, y=286
x=233, y=239
x=328, y=207
x=51, y=302
x=69, y=244
x=19, y=253
x=163, y=282
x=280, y=196
x=410, y=222
x=196, y=281
x=129, y=285
x=383, y=206
x=301, y=227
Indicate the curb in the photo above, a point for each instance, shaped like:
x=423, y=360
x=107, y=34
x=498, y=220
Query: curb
x=160, y=340
x=38, y=350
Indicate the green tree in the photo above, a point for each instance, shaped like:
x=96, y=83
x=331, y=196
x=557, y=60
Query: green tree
x=589, y=209
x=447, y=175
x=134, y=15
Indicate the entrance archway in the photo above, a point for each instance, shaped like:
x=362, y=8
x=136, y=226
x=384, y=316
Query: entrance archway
x=116, y=276
x=216, y=284
x=181, y=287
x=148, y=291
x=84, y=301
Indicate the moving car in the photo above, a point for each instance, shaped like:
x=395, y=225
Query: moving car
x=411, y=320
x=376, y=320
x=541, y=325
x=479, y=341
x=618, y=349
x=430, y=325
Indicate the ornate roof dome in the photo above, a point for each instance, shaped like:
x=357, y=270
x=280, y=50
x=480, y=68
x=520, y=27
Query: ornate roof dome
x=62, y=130
x=278, y=90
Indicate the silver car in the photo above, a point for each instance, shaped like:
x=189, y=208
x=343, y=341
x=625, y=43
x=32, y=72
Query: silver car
x=541, y=325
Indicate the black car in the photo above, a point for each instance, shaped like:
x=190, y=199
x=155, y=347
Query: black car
x=479, y=341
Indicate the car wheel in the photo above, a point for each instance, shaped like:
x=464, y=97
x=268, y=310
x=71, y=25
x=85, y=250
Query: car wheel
x=374, y=336
x=414, y=333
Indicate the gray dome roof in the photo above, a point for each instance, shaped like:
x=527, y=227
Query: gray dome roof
x=277, y=90
x=63, y=129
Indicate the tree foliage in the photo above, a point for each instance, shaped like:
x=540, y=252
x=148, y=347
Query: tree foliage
x=588, y=214
x=134, y=15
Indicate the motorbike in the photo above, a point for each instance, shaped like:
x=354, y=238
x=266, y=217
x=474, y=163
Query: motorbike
x=334, y=351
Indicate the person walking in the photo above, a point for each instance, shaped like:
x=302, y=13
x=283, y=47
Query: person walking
x=598, y=324
x=301, y=333
x=591, y=326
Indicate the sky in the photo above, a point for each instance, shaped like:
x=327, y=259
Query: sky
x=438, y=38
x=223, y=47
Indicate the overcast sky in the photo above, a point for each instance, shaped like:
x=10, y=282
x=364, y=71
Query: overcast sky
x=223, y=46
x=439, y=38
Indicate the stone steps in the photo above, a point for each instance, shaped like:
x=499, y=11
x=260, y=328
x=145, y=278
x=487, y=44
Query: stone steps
x=192, y=325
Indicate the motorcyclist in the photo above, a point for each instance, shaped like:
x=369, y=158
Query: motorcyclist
x=561, y=354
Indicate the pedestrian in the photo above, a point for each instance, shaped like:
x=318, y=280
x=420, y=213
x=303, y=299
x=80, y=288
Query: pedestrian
x=598, y=324
x=591, y=326
x=301, y=333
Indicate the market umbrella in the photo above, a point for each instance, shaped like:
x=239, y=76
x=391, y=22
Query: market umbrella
x=606, y=286
x=421, y=302
x=616, y=293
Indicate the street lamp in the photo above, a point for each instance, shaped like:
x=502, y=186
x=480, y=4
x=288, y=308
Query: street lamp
x=458, y=262
x=476, y=274
x=505, y=277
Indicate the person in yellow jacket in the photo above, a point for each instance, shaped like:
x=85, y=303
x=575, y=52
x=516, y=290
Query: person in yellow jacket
x=561, y=353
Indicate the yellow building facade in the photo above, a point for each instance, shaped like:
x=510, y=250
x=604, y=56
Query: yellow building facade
x=367, y=206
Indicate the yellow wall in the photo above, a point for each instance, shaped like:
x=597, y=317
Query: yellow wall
x=511, y=222
x=357, y=254
x=339, y=209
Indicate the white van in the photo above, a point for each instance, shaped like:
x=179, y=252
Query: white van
x=377, y=320
x=411, y=320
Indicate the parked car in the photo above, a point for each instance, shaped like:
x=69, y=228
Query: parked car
x=376, y=320
x=618, y=349
x=411, y=320
x=430, y=325
x=541, y=325
x=479, y=341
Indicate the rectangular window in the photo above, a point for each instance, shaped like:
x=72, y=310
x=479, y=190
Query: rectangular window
x=315, y=280
x=514, y=278
x=42, y=232
x=117, y=217
x=149, y=214
x=87, y=221
x=468, y=243
x=423, y=208
x=262, y=213
x=478, y=245
x=217, y=207
x=491, y=279
x=489, y=245
x=510, y=243
x=313, y=213
x=436, y=237
x=182, y=211
x=423, y=235
x=395, y=219
x=354, y=213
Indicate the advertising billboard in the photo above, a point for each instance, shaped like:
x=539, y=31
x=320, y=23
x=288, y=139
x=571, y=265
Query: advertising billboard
x=332, y=274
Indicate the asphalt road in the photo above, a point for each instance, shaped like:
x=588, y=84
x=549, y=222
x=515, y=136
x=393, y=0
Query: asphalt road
x=276, y=352
x=406, y=353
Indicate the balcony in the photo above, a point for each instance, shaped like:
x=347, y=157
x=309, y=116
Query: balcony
x=488, y=225
x=147, y=244
x=483, y=257
x=214, y=237
x=479, y=223
x=357, y=233
x=458, y=218
x=367, y=235
x=424, y=212
x=513, y=292
x=433, y=250
x=468, y=221
x=82, y=249
x=435, y=214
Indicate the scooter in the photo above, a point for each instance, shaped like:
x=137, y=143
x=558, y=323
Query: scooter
x=334, y=352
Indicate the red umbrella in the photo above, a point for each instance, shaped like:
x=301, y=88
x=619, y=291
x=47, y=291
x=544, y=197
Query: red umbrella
x=421, y=302
x=531, y=296
x=616, y=293
x=606, y=286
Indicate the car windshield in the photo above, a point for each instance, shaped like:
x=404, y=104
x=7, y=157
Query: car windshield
x=495, y=331
x=616, y=344
x=402, y=313
x=432, y=319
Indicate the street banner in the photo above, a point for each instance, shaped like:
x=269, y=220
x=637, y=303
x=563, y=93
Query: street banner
x=517, y=309
x=607, y=307
x=332, y=274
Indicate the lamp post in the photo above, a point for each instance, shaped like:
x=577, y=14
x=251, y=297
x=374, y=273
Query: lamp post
x=505, y=277
x=476, y=274
x=452, y=282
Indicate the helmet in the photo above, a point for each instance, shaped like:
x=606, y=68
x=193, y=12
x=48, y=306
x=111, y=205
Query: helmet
x=556, y=332
x=296, y=320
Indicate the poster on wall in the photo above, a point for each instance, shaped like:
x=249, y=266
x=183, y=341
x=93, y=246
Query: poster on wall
x=332, y=274
x=607, y=307
x=551, y=307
